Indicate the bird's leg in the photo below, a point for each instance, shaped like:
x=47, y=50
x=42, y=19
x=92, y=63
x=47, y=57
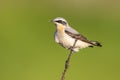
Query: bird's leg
x=72, y=47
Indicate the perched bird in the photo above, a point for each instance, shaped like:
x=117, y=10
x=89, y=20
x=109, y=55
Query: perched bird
x=66, y=36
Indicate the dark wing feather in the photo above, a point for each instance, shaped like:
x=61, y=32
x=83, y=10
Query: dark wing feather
x=78, y=37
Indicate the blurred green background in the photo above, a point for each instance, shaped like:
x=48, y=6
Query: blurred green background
x=28, y=50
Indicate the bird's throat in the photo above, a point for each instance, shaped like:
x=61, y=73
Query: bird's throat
x=60, y=28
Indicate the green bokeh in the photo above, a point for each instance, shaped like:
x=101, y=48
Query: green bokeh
x=28, y=50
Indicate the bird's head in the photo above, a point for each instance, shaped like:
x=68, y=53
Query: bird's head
x=60, y=21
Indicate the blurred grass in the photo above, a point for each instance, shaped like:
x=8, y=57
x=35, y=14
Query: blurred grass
x=28, y=50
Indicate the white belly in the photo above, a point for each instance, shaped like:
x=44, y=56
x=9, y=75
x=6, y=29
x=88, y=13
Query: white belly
x=67, y=42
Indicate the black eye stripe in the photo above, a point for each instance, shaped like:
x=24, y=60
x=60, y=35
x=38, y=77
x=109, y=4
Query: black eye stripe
x=59, y=21
x=62, y=22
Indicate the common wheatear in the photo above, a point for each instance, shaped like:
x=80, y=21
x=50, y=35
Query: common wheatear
x=66, y=36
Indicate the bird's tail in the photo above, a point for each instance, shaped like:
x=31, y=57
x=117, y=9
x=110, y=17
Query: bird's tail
x=96, y=43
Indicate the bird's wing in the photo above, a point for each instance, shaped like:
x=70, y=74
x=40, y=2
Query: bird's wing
x=77, y=36
x=70, y=29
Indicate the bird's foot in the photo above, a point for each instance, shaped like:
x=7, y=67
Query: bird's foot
x=71, y=48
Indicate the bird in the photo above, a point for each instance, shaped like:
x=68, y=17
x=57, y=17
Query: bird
x=66, y=36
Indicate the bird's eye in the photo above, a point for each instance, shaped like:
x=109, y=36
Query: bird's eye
x=62, y=22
